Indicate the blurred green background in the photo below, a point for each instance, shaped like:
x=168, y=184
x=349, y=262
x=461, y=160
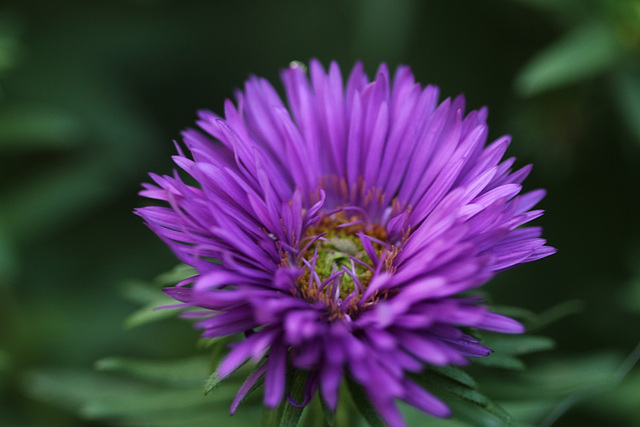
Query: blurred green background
x=92, y=93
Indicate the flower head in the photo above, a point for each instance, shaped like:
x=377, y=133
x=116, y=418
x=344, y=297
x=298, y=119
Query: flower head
x=338, y=228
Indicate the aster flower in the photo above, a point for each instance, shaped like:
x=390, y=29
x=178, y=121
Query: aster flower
x=341, y=230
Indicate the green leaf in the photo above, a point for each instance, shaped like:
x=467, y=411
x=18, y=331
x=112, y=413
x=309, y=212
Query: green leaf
x=161, y=400
x=149, y=314
x=8, y=258
x=34, y=127
x=467, y=403
x=497, y=360
x=558, y=377
x=142, y=293
x=363, y=404
x=96, y=395
x=487, y=415
x=455, y=374
x=581, y=53
x=453, y=387
x=517, y=344
x=5, y=361
x=626, y=88
x=152, y=298
x=183, y=373
x=557, y=312
x=529, y=412
x=212, y=382
x=296, y=387
x=73, y=389
x=287, y=415
x=271, y=417
x=516, y=312
x=564, y=8
x=175, y=275
x=252, y=389
x=329, y=415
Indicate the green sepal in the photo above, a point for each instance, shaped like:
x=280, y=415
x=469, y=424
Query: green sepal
x=363, y=404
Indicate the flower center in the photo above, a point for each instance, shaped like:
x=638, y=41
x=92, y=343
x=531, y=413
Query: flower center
x=341, y=257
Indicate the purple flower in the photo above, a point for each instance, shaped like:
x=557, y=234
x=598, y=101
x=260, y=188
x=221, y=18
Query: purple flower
x=338, y=228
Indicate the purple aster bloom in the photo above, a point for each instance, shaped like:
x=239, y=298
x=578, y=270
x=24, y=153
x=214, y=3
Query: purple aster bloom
x=337, y=229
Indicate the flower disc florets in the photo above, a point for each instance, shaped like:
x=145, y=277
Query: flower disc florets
x=337, y=230
x=341, y=257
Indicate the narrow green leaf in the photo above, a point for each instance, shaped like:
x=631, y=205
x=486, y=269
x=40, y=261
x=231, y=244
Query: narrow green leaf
x=177, y=274
x=185, y=372
x=11, y=49
x=556, y=378
x=287, y=415
x=582, y=53
x=69, y=188
x=296, y=387
x=5, y=361
x=34, y=127
x=455, y=374
x=453, y=387
x=151, y=297
x=626, y=86
x=252, y=389
x=72, y=388
x=212, y=382
x=329, y=415
x=515, y=312
x=271, y=417
x=467, y=404
x=363, y=404
x=565, y=8
x=517, y=344
x=557, y=312
x=496, y=360
x=217, y=346
x=486, y=415
x=161, y=400
x=8, y=258
x=141, y=293
x=149, y=314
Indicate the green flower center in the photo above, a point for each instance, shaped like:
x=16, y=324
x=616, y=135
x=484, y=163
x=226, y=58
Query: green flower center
x=339, y=248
